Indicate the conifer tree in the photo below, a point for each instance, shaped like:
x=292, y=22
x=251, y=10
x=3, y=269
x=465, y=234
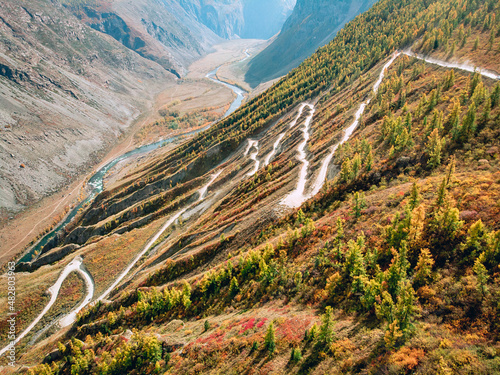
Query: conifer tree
x=301, y=217
x=476, y=79
x=476, y=241
x=424, y=267
x=346, y=171
x=442, y=195
x=453, y=121
x=417, y=224
x=408, y=121
x=406, y=309
x=414, y=196
x=354, y=265
x=450, y=78
x=476, y=44
x=447, y=221
x=296, y=355
x=234, y=288
x=495, y=96
x=358, y=203
x=369, y=161
x=481, y=274
x=326, y=333
x=270, y=339
x=434, y=149
x=450, y=170
x=491, y=39
x=485, y=117
x=356, y=165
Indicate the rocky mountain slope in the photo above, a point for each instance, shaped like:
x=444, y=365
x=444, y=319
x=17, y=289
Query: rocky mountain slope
x=67, y=93
x=76, y=74
x=312, y=24
x=344, y=221
x=163, y=32
x=175, y=33
x=251, y=19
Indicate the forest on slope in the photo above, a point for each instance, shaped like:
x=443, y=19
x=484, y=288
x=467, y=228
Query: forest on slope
x=312, y=25
x=392, y=267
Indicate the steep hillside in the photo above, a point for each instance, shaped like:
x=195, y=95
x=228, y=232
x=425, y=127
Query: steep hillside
x=344, y=221
x=252, y=19
x=312, y=24
x=160, y=31
x=67, y=93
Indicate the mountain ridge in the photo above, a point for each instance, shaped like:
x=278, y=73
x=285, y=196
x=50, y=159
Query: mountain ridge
x=311, y=25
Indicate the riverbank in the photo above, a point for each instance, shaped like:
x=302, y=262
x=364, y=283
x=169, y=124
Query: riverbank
x=26, y=226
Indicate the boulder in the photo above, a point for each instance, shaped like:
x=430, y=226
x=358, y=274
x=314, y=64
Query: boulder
x=468, y=215
x=403, y=162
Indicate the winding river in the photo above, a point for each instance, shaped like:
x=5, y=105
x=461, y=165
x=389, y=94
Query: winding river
x=294, y=199
x=95, y=183
x=240, y=93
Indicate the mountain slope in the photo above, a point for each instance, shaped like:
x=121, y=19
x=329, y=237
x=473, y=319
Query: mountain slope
x=390, y=266
x=160, y=31
x=251, y=19
x=67, y=93
x=311, y=25
x=50, y=49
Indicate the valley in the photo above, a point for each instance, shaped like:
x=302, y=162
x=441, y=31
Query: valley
x=186, y=97
x=345, y=220
x=96, y=184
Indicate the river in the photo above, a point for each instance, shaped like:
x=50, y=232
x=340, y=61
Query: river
x=95, y=183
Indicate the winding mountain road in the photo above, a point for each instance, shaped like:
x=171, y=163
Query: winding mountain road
x=280, y=137
x=76, y=265
x=297, y=197
x=168, y=223
x=253, y=156
x=268, y=158
x=453, y=65
x=293, y=200
x=320, y=179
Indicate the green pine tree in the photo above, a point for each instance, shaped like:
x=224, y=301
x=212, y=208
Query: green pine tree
x=326, y=333
x=270, y=339
x=434, y=149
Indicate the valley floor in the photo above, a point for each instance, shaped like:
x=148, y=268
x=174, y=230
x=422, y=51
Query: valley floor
x=190, y=95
